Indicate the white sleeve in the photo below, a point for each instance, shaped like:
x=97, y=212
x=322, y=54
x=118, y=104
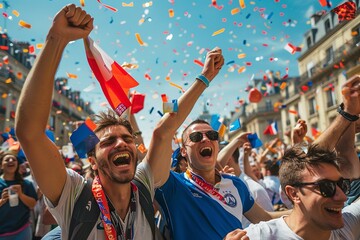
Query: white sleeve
x=351, y=215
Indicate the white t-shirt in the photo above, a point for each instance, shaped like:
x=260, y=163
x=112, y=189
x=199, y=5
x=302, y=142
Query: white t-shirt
x=259, y=194
x=277, y=229
x=272, y=185
x=72, y=189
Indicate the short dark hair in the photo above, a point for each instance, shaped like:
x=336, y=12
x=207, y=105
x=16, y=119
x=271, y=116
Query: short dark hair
x=197, y=121
x=295, y=161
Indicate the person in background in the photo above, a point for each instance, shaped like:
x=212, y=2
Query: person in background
x=15, y=211
x=178, y=163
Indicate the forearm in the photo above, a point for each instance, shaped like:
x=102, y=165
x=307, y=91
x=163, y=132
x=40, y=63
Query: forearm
x=28, y=201
x=35, y=101
x=329, y=138
x=228, y=150
x=349, y=163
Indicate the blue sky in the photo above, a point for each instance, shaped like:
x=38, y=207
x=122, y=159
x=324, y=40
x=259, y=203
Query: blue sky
x=174, y=43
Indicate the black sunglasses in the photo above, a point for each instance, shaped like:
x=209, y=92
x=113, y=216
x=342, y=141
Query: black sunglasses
x=198, y=136
x=327, y=187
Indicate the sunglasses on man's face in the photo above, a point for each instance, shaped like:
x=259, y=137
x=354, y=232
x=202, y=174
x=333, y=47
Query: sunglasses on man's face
x=327, y=187
x=198, y=136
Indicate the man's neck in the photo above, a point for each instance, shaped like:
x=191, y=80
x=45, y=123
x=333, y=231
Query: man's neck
x=301, y=226
x=209, y=176
x=119, y=195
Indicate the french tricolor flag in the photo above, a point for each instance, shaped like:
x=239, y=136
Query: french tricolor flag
x=115, y=82
x=272, y=129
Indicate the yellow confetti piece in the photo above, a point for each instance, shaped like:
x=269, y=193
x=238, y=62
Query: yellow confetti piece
x=16, y=13
x=25, y=50
x=177, y=86
x=8, y=80
x=131, y=4
x=235, y=11
x=1, y=5
x=283, y=86
x=4, y=95
x=71, y=75
x=39, y=46
x=222, y=130
x=241, y=69
x=241, y=55
x=171, y=13
x=218, y=32
x=141, y=21
x=79, y=108
x=138, y=38
x=147, y=4
x=82, y=3
x=242, y=3
x=24, y=24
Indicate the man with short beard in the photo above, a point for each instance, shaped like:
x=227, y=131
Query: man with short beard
x=114, y=158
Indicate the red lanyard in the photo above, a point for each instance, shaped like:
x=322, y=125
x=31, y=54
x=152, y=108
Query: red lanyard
x=110, y=232
x=206, y=187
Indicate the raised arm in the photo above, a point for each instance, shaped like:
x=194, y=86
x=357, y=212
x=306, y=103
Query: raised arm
x=349, y=161
x=229, y=149
x=33, y=111
x=159, y=151
x=351, y=106
x=247, y=168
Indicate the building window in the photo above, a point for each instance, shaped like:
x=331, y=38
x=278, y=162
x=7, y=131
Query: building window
x=329, y=56
x=330, y=96
x=327, y=26
x=310, y=69
x=312, y=105
x=308, y=41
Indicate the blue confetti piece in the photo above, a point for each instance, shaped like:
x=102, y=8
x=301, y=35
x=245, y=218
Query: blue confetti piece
x=160, y=113
x=247, y=16
x=231, y=62
x=270, y=15
x=244, y=42
x=151, y=110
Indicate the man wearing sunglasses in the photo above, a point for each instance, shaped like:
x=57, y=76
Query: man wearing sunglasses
x=313, y=183
x=202, y=203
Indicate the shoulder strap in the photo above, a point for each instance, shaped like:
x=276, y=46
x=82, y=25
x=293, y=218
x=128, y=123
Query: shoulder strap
x=85, y=214
x=146, y=204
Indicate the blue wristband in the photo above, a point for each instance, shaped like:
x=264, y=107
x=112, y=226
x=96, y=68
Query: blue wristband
x=203, y=79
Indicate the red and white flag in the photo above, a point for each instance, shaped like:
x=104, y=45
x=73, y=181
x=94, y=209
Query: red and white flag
x=291, y=48
x=115, y=82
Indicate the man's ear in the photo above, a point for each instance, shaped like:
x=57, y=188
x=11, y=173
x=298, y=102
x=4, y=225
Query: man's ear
x=93, y=164
x=292, y=193
x=183, y=151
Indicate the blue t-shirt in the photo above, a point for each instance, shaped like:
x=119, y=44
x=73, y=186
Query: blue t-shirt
x=194, y=214
x=13, y=218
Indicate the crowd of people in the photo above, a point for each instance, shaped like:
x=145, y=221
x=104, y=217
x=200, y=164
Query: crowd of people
x=205, y=189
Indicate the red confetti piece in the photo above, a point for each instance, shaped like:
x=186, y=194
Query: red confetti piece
x=108, y=6
x=198, y=62
x=345, y=11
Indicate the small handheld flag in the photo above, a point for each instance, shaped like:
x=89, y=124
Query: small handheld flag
x=84, y=138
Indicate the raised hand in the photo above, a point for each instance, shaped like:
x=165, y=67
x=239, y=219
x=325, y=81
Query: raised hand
x=213, y=63
x=299, y=131
x=351, y=97
x=71, y=23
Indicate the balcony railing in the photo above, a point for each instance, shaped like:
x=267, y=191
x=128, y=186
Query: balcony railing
x=324, y=65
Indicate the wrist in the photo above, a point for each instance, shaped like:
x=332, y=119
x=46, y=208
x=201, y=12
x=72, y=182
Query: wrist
x=348, y=116
x=203, y=79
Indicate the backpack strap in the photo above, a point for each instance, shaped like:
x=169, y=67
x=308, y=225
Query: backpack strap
x=85, y=214
x=146, y=204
